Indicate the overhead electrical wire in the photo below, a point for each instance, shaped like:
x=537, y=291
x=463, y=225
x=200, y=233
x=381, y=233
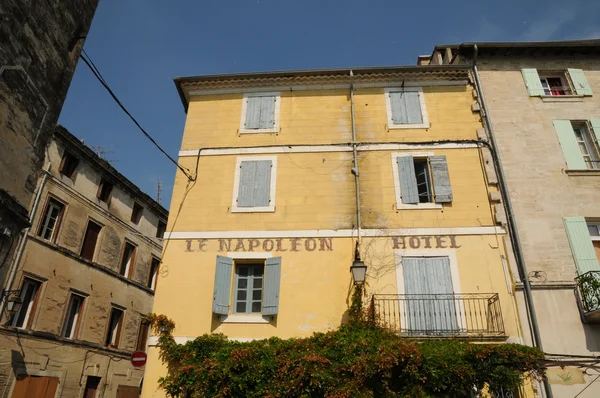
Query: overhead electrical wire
x=96, y=72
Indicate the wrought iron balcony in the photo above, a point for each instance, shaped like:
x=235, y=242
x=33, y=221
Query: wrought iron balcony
x=440, y=315
x=588, y=290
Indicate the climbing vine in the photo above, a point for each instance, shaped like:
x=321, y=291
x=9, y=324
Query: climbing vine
x=359, y=359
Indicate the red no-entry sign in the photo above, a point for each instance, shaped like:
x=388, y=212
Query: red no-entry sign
x=138, y=359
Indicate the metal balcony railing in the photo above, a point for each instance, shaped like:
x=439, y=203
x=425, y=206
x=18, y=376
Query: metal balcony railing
x=588, y=289
x=440, y=315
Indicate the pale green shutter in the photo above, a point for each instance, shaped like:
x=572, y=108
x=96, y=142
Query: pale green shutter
x=272, y=281
x=579, y=81
x=581, y=245
x=246, y=184
x=568, y=143
x=408, y=180
x=222, y=285
x=596, y=127
x=532, y=81
x=441, y=179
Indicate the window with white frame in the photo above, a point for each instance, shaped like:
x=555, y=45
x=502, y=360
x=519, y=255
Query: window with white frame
x=115, y=323
x=73, y=316
x=406, y=108
x=127, y=260
x=260, y=113
x=51, y=221
x=30, y=290
x=556, y=83
x=421, y=180
x=254, y=184
x=579, y=143
x=153, y=272
x=255, y=285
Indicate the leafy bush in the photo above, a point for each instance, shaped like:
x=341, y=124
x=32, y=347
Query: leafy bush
x=360, y=359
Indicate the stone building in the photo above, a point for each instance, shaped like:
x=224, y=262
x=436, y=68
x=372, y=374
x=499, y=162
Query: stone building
x=40, y=43
x=542, y=101
x=303, y=167
x=86, y=279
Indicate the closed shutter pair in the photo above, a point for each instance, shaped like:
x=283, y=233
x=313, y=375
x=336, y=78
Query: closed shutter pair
x=406, y=107
x=222, y=295
x=581, y=245
x=534, y=85
x=260, y=112
x=255, y=183
x=408, y=180
x=570, y=146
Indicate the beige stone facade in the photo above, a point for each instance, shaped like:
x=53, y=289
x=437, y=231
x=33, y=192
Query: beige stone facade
x=80, y=343
x=543, y=188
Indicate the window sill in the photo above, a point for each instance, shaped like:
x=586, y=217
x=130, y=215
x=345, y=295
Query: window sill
x=420, y=206
x=562, y=98
x=407, y=126
x=269, y=209
x=589, y=172
x=244, y=319
x=259, y=131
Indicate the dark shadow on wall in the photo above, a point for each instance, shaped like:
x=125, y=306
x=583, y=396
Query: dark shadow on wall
x=17, y=362
x=591, y=331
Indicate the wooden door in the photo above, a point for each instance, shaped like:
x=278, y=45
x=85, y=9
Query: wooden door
x=91, y=386
x=128, y=391
x=35, y=386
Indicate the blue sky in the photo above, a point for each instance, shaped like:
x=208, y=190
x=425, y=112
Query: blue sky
x=141, y=45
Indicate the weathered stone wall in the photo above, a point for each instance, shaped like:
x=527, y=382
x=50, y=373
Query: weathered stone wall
x=40, y=43
x=541, y=191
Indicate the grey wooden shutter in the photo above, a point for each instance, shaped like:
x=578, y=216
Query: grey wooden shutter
x=272, y=282
x=406, y=107
x=408, y=180
x=429, y=276
x=253, y=106
x=413, y=107
x=532, y=82
x=581, y=245
x=222, y=285
x=246, y=184
x=441, y=179
x=262, y=183
x=267, y=112
x=255, y=183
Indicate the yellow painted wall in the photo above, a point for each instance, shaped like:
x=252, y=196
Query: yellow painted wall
x=315, y=191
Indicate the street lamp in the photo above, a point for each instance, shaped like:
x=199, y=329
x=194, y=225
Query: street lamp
x=13, y=302
x=358, y=269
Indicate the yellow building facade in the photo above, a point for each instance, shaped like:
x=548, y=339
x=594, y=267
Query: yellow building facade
x=260, y=244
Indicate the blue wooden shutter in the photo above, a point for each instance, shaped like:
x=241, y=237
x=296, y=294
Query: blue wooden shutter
x=580, y=83
x=262, y=183
x=569, y=145
x=408, y=180
x=596, y=128
x=441, y=179
x=415, y=283
x=272, y=282
x=267, y=112
x=439, y=278
x=532, y=81
x=581, y=245
x=222, y=285
x=253, y=106
x=246, y=184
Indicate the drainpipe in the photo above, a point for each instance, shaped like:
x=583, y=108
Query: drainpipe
x=354, y=151
x=512, y=223
x=21, y=249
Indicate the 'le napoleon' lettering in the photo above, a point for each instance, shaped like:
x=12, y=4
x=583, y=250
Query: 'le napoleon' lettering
x=264, y=245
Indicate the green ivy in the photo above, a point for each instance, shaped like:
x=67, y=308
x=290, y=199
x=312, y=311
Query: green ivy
x=360, y=359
